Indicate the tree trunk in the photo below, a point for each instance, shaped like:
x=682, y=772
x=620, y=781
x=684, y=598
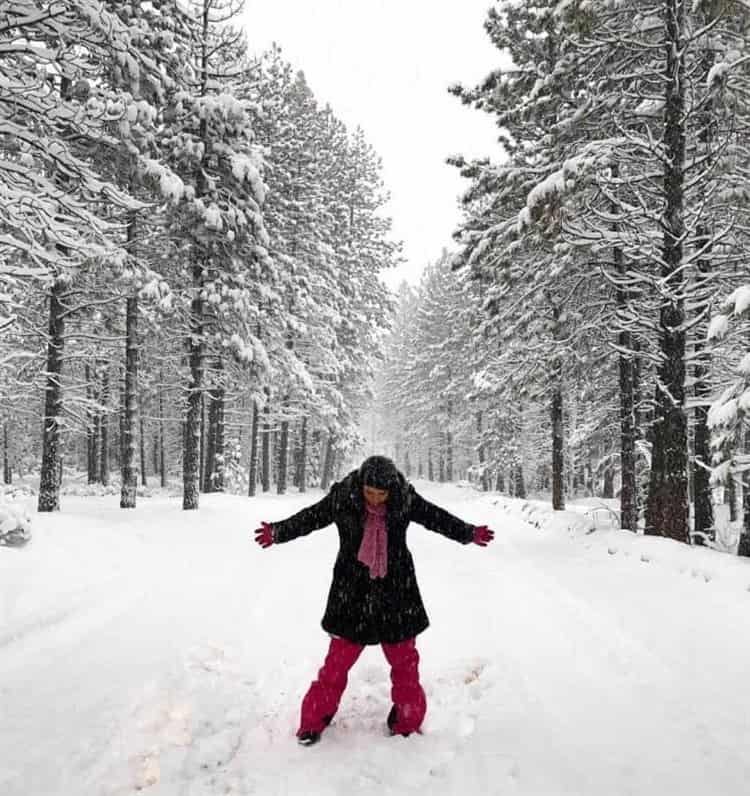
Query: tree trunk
x=142, y=437
x=104, y=429
x=283, y=452
x=192, y=437
x=128, y=469
x=265, y=474
x=328, y=462
x=302, y=460
x=97, y=435
x=703, y=514
x=162, y=441
x=90, y=428
x=558, y=498
x=449, y=456
x=667, y=505
x=556, y=414
x=703, y=511
x=629, y=484
x=430, y=466
x=608, y=489
x=520, y=484
x=49, y=486
x=743, y=548
x=7, y=471
x=500, y=481
x=219, y=481
x=209, y=437
x=204, y=444
x=155, y=453
x=730, y=497
x=482, y=455
x=253, y=479
x=213, y=474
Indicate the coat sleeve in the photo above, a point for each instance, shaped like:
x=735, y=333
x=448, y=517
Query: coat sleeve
x=436, y=519
x=306, y=521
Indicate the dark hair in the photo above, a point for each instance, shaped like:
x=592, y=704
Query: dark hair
x=379, y=472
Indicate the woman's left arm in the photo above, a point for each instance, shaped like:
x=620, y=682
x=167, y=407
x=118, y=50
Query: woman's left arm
x=439, y=520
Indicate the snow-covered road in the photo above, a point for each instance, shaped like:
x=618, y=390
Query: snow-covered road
x=162, y=651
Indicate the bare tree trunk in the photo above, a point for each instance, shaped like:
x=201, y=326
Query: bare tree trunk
x=703, y=511
x=7, y=470
x=730, y=497
x=91, y=438
x=328, y=462
x=608, y=488
x=667, y=505
x=49, y=484
x=430, y=466
x=192, y=437
x=265, y=474
x=155, y=452
x=253, y=479
x=128, y=469
x=142, y=429
x=629, y=484
x=519, y=483
x=209, y=437
x=556, y=411
x=283, y=453
x=449, y=446
x=162, y=441
x=482, y=455
x=743, y=548
x=219, y=441
x=104, y=429
x=302, y=459
x=205, y=443
x=97, y=435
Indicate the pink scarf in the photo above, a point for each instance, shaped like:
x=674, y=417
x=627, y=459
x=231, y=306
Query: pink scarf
x=373, y=552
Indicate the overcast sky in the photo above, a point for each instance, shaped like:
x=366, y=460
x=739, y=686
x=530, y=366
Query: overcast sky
x=386, y=65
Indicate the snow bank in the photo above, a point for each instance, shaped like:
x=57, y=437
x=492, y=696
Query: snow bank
x=598, y=521
x=15, y=525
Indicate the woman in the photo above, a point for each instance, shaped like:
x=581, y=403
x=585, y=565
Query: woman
x=374, y=597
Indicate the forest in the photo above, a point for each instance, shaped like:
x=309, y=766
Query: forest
x=190, y=243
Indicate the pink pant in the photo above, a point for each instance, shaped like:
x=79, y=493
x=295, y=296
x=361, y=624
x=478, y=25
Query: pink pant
x=322, y=699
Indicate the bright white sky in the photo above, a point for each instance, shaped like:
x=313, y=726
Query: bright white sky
x=386, y=65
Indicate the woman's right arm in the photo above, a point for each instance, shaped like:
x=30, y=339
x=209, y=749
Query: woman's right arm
x=306, y=521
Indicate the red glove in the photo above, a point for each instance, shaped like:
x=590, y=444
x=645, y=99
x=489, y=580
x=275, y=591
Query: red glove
x=483, y=535
x=264, y=534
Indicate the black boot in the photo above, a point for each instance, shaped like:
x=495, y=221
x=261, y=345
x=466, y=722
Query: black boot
x=308, y=738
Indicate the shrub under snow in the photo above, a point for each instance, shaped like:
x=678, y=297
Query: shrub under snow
x=15, y=525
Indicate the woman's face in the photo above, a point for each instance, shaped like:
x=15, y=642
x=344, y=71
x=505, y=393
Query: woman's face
x=375, y=497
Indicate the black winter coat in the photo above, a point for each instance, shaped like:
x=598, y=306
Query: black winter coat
x=362, y=609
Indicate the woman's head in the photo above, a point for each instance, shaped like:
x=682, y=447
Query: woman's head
x=379, y=476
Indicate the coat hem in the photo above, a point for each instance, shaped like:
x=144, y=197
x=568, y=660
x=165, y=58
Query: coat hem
x=372, y=641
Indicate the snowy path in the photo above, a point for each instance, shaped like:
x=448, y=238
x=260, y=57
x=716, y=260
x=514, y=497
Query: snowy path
x=162, y=652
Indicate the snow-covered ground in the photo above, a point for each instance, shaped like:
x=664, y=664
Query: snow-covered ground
x=161, y=651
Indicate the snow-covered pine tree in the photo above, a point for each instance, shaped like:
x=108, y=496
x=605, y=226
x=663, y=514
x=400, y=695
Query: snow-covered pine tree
x=606, y=189
x=208, y=140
